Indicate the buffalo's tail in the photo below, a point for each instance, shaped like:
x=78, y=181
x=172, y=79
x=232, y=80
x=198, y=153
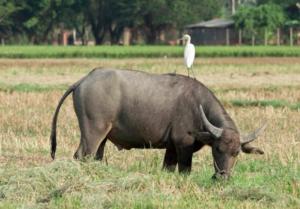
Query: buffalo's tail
x=53, y=131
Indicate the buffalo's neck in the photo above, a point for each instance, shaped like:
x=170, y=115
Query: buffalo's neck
x=217, y=115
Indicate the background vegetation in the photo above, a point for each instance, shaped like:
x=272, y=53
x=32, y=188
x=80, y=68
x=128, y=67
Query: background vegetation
x=36, y=22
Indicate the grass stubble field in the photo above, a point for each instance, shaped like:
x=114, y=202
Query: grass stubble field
x=253, y=90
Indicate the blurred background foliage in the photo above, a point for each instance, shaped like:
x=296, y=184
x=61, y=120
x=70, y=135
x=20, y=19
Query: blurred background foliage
x=25, y=21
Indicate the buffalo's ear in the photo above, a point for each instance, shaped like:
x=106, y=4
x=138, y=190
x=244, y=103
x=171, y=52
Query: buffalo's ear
x=204, y=137
x=250, y=149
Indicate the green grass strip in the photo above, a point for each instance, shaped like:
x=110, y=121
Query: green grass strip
x=246, y=89
x=264, y=103
x=119, y=52
x=24, y=87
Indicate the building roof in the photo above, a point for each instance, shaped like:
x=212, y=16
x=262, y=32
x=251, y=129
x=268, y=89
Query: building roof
x=217, y=23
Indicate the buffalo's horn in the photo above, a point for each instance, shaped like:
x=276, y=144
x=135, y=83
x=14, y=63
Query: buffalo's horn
x=247, y=138
x=214, y=131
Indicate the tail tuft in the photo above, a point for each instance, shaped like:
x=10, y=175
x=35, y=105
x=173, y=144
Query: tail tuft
x=53, y=145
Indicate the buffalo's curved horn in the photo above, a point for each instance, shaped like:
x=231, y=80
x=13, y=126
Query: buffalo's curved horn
x=214, y=131
x=247, y=138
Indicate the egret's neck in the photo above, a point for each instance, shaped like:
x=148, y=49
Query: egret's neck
x=188, y=40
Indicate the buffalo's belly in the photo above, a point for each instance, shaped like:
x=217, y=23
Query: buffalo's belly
x=124, y=139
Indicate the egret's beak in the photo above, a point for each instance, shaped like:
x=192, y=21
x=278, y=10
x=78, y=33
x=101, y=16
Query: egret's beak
x=180, y=39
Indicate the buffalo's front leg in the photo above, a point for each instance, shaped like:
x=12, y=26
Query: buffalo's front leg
x=185, y=155
x=170, y=160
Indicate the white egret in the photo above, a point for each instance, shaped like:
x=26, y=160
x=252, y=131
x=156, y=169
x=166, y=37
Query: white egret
x=189, y=53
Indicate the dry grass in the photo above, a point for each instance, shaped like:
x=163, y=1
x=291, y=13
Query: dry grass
x=289, y=94
x=215, y=73
x=133, y=179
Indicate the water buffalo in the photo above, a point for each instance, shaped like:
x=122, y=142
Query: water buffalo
x=140, y=110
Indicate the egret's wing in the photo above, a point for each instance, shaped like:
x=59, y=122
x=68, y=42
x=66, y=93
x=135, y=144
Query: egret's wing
x=189, y=55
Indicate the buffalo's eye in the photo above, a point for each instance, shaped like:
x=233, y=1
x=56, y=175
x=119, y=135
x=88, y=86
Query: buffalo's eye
x=218, y=150
x=236, y=154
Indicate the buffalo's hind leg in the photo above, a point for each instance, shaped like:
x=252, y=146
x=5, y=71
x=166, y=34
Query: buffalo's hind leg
x=170, y=160
x=100, y=151
x=92, y=136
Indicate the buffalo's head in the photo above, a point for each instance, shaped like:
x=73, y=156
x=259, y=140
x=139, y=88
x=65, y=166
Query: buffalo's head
x=226, y=145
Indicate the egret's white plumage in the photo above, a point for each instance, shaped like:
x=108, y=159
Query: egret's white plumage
x=189, y=53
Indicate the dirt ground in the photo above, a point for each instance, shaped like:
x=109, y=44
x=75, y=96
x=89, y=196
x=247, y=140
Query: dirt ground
x=99, y=62
x=212, y=80
x=213, y=72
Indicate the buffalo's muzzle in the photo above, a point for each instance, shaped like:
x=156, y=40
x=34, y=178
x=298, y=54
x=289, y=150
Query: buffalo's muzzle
x=223, y=176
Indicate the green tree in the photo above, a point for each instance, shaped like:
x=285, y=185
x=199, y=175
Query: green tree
x=74, y=16
x=253, y=20
x=95, y=11
x=285, y=3
x=36, y=19
x=121, y=14
x=158, y=14
x=194, y=11
x=7, y=9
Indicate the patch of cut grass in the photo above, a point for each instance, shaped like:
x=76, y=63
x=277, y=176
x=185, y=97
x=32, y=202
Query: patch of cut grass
x=92, y=184
x=250, y=193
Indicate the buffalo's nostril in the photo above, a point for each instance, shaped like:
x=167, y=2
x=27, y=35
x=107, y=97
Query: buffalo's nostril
x=215, y=176
x=225, y=177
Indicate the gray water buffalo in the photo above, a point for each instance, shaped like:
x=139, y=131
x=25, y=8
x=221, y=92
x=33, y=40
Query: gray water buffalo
x=140, y=110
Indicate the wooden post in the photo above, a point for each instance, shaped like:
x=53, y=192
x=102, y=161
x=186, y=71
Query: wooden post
x=253, y=40
x=266, y=37
x=87, y=37
x=65, y=38
x=298, y=38
x=127, y=36
x=240, y=36
x=215, y=38
x=291, y=36
x=203, y=32
x=173, y=32
x=227, y=37
x=278, y=36
x=162, y=36
x=2, y=41
x=74, y=36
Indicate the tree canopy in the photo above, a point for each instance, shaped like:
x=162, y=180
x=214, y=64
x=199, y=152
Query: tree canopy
x=107, y=19
x=264, y=16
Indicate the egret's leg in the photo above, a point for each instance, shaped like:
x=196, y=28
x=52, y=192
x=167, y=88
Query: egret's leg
x=193, y=71
x=188, y=72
